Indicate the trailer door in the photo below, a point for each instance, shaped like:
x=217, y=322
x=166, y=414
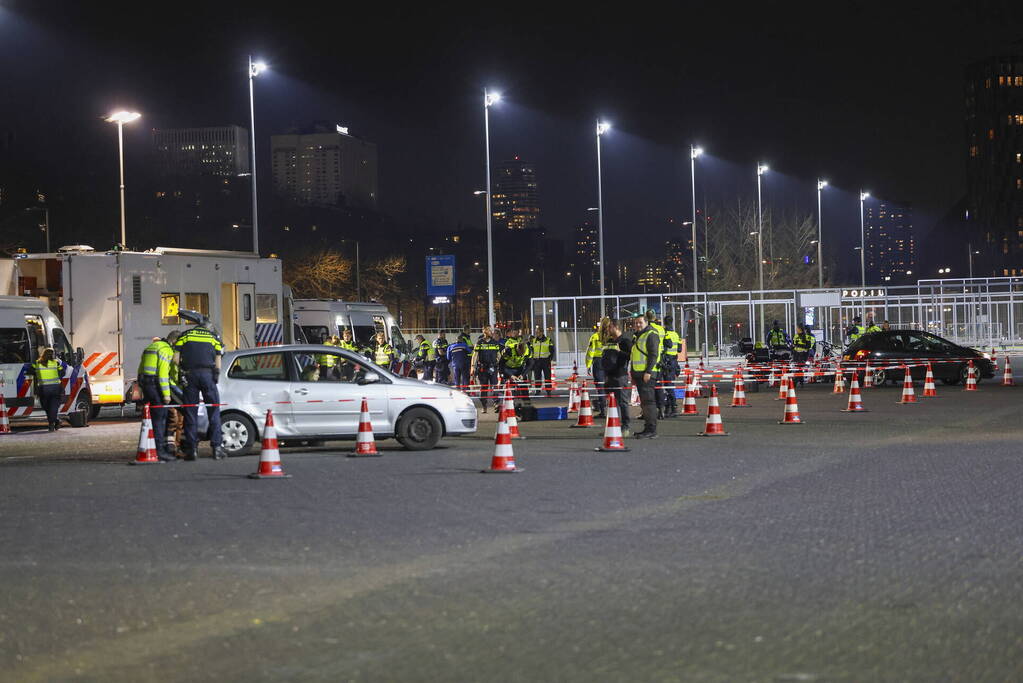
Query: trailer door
x=238, y=315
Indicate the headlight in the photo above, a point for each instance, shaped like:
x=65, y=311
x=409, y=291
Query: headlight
x=986, y=355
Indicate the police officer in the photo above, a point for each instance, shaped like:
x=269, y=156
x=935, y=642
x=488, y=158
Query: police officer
x=541, y=349
x=425, y=357
x=594, y=353
x=645, y=352
x=346, y=370
x=47, y=371
x=671, y=346
x=440, y=368
x=776, y=337
x=615, y=359
x=458, y=355
x=384, y=354
x=660, y=394
x=154, y=377
x=514, y=359
x=327, y=362
x=802, y=347
x=855, y=331
x=872, y=327
x=465, y=336
x=198, y=352
x=485, y=359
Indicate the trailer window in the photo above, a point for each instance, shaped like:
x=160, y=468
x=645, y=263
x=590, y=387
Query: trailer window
x=246, y=307
x=198, y=302
x=13, y=345
x=169, y=305
x=266, y=308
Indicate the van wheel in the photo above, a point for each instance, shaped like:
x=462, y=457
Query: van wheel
x=419, y=429
x=238, y=433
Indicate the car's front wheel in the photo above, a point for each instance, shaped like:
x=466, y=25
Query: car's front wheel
x=238, y=433
x=880, y=377
x=419, y=429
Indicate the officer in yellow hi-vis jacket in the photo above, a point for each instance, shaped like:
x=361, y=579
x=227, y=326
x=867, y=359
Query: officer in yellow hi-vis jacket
x=47, y=371
x=154, y=377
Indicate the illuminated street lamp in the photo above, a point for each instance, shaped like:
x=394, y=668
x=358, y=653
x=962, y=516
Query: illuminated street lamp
x=489, y=99
x=761, y=170
x=863, y=259
x=821, y=184
x=693, y=153
x=255, y=68
x=121, y=118
x=602, y=127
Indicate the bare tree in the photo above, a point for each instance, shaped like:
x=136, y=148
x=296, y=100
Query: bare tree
x=319, y=273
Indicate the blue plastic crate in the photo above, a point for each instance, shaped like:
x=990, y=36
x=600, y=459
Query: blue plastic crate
x=554, y=413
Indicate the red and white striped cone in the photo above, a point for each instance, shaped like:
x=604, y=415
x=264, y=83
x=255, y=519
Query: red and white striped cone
x=713, y=426
x=994, y=358
x=839, y=380
x=269, y=455
x=739, y=390
x=689, y=402
x=508, y=415
x=971, y=377
x=573, y=394
x=146, y=454
x=365, y=442
x=783, y=388
x=503, y=461
x=930, y=391
x=855, y=404
x=908, y=395
x=634, y=397
x=585, y=410
x=1007, y=380
x=868, y=376
x=772, y=379
x=809, y=373
x=5, y=421
x=697, y=384
x=791, y=416
x=612, y=428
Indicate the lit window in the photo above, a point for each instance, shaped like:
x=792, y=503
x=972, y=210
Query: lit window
x=973, y=150
x=169, y=309
x=198, y=301
x=990, y=133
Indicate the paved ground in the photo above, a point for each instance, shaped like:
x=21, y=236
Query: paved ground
x=881, y=546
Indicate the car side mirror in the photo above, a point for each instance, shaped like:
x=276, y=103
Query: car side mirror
x=79, y=355
x=369, y=378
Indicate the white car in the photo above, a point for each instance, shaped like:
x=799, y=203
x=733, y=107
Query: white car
x=316, y=393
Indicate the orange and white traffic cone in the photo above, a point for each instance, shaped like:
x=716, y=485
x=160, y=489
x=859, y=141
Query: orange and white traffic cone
x=146, y=454
x=1007, y=380
x=508, y=415
x=855, y=404
x=689, y=402
x=713, y=426
x=634, y=397
x=971, y=377
x=994, y=358
x=739, y=390
x=772, y=379
x=573, y=394
x=908, y=395
x=839, y=380
x=930, y=391
x=791, y=416
x=5, y=422
x=697, y=385
x=868, y=376
x=612, y=428
x=270, y=454
x=365, y=443
x=783, y=387
x=503, y=461
x=585, y=410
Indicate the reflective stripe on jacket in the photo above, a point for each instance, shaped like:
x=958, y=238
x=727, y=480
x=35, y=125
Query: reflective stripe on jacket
x=47, y=374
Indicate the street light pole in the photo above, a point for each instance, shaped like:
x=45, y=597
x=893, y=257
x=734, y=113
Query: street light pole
x=693, y=153
x=863, y=262
x=821, y=184
x=121, y=118
x=601, y=129
x=761, y=169
x=489, y=99
x=255, y=68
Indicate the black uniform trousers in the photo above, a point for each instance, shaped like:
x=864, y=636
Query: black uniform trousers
x=50, y=397
x=669, y=373
x=460, y=376
x=615, y=386
x=597, y=398
x=487, y=379
x=647, y=401
x=200, y=381
x=154, y=397
x=542, y=374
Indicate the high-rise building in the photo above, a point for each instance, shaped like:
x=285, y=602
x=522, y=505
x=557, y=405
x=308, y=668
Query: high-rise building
x=586, y=256
x=888, y=234
x=994, y=126
x=514, y=202
x=216, y=151
x=325, y=167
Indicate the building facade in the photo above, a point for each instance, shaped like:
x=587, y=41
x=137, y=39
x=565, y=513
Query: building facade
x=994, y=162
x=891, y=247
x=586, y=253
x=514, y=203
x=325, y=168
x=212, y=151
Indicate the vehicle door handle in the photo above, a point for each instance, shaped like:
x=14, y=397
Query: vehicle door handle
x=301, y=392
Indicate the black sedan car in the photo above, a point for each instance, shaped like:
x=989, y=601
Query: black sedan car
x=894, y=347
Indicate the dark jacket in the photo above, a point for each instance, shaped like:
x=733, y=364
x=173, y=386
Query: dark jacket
x=616, y=362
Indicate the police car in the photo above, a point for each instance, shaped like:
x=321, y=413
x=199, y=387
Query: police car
x=316, y=393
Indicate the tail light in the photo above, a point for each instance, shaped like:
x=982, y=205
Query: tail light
x=861, y=354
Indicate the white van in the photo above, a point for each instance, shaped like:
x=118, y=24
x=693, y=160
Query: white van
x=323, y=318
x=27, y=326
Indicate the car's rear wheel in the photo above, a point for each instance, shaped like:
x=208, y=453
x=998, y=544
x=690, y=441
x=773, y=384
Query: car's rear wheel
x=238, y=433
x=419, y=429
x=880, y=377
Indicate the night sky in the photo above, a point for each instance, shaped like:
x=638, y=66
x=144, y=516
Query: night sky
x=858, y=92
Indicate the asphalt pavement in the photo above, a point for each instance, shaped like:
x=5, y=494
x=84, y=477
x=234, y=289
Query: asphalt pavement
x=883, y=546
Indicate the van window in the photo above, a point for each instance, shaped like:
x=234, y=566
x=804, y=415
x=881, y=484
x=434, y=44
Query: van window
x=198, y=302
x=315, y=334
x=14, y=345
x=266, y=308
x=363, y=334
x=398, y=341
x=169, y=305
x=36, y=335
x=61, y=346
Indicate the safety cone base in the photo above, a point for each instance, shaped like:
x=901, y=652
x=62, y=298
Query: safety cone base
x=365, y=455
x=790, y=422
x=601, y=449
x=581, y=426
x=515, y=470
x=712, y=434
x=856, y=410
x=257, y=475
x=146, y=462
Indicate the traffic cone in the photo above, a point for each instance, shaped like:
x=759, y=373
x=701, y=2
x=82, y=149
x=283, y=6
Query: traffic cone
x=839, y=380
x=269, y=455
x=585, y=410
x=365, y=443
x=689, y=403
x=791, y=416
x=971, y=377
x=612, y=428
x=697, y=386
x=739, y=390
x=908, y=395
x=5, y=422
x=772, y=380
x=508, y=415
x=868, y=376
x=503, y=461
x=1007, y=380
x=783, y=388
x=994, y=358
x=930, y=391
x=713, y=426
x=809, y=372
x=573, y=394
x=634, y=398
x=146, y=454
x=855, y=404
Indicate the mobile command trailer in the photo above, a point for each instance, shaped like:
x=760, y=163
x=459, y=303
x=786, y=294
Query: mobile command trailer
x=323, y=318
x=113, y=303
x=27, y=326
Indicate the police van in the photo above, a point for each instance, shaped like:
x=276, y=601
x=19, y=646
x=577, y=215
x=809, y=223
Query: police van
x=320, y=319
x=27, y=326
x=113, y=303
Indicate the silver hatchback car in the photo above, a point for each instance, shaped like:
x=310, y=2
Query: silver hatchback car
x=316, y=394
